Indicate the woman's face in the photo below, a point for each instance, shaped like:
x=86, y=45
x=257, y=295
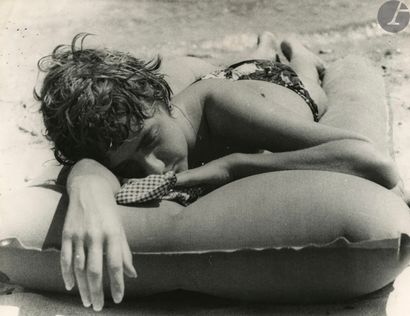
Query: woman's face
x=160, y=146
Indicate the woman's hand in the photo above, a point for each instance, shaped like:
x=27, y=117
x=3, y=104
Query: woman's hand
x=91, y=228
x=215, y=173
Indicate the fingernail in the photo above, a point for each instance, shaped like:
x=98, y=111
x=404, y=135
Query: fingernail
x=85, y=301
x=97, y=307
x=135, y=275
x=117, y=298
x=69, y=287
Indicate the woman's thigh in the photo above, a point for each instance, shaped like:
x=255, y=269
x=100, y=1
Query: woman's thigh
x=357, y=102
x=357, y=99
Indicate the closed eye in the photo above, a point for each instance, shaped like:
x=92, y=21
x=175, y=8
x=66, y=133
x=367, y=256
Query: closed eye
x=130, y=168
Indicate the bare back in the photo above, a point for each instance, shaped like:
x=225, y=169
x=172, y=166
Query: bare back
x=218, y=133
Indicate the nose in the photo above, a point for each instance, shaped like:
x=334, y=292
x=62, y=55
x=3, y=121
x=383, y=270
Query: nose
x=153, y=165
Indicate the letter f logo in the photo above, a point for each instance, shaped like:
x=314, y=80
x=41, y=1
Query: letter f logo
x=393, y=16
x=400, y=8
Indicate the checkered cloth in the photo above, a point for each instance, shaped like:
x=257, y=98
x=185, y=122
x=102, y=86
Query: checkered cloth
x=156, y=187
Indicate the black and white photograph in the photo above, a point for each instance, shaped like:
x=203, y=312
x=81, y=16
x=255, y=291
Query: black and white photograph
x=204, y=157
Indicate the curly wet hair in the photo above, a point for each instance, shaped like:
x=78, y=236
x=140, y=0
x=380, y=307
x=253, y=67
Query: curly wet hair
x=94, y=99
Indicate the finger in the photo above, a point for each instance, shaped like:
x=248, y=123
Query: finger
x=129, y=269
x=81, y=276
x=115, y=270
x=66, y=262
x=190, y=177
x=94, y=273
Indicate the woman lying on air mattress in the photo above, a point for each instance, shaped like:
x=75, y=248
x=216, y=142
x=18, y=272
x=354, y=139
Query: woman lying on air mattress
x=249, y=183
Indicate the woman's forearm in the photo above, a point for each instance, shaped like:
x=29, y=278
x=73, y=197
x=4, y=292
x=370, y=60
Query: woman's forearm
x=91, y=170
x=93, y=227
x=353, y=157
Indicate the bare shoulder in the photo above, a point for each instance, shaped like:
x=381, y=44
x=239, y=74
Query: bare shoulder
x=247, y=111
x=194, y=97
x=209, y=93
x=205, y=91
x=191, y=102
x=180, y=72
